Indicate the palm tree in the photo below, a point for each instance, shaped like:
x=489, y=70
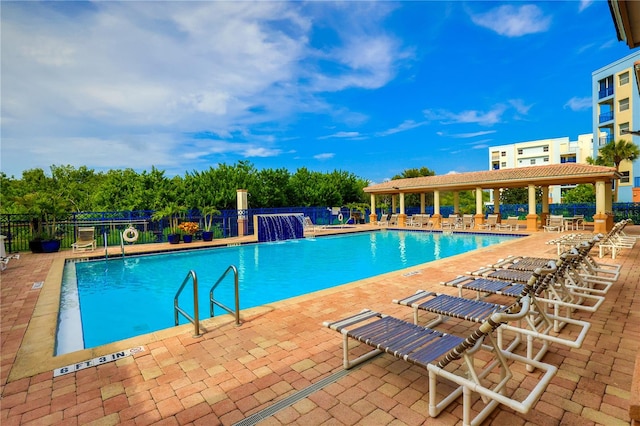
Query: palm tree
x=616, y=152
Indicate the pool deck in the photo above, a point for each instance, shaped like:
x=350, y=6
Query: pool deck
x=233, y=372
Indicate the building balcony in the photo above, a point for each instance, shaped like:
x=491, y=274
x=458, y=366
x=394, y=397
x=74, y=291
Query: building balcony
x=605, y=116
x=603, y=140
x=603, y=93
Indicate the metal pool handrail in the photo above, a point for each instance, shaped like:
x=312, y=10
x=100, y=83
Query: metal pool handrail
x=177, y=309
x=212, y=301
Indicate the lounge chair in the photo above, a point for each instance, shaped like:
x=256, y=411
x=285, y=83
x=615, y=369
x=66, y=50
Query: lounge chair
x=450, y=222
x=86, y=240
x=492, y=220
x=393, y=221
x=4, y=260
x=467, y=221
x=384, y=220
x=554, y=223
x=536, y=326
x=574, y=279
x=510, y=224
x=435, y=351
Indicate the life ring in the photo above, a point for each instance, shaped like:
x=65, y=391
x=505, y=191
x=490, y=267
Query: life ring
x=130, y=235
x=340, y=217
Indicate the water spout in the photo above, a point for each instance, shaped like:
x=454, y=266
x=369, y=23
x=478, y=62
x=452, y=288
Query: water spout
x=279, y=227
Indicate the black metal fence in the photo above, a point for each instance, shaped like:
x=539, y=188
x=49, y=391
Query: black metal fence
x=19, y=228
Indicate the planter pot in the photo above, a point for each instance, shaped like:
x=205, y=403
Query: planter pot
x=187, y=238
x=44, y=246
x=173, y=238
x=207, y=235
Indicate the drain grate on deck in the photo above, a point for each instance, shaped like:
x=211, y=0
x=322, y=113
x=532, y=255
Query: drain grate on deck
x=293, y=398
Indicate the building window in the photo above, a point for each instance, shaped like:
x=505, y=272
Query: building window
x=520, y=151
x=533, y=161
x=503, y=154
x=623, y=78
x=625, y=177
x=546, y=159
x=623, y=105
x=545, y=148
x=503, y=164
x=624, y=128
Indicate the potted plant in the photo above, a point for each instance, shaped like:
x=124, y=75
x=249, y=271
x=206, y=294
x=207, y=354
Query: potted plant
x=45, y=210
x=189, y=228
x=357, y=211
x=207, y=215
x=172, y=213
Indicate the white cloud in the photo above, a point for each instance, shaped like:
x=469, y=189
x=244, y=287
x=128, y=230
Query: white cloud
x=514, y=21
x=324, y=156
x=96, y=71
x=584, y=4
x=341, y=135
x=403, y=127
x=484, y=118
x=471, y=135
x=578, y=104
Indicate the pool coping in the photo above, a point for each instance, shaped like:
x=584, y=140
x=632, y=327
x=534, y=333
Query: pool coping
x=35, y=355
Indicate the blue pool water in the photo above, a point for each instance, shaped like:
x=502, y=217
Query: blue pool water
x=119, y=298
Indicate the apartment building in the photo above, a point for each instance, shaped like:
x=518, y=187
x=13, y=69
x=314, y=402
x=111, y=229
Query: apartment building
x=543, y=152
x=616, y=112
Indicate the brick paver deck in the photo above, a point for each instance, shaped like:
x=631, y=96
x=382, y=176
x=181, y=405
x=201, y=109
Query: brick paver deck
x=232, y=372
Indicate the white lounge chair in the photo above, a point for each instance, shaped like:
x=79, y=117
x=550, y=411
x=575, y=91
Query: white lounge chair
x=86, y=240
x=436, y=352
x=492, y=220
x=554, y=223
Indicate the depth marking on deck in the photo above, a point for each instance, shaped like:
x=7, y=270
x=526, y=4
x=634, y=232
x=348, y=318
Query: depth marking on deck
x=97, y=361
x=37, y=285
x=408, y=274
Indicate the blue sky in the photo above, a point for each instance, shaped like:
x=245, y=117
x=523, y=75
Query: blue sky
x=372, y=88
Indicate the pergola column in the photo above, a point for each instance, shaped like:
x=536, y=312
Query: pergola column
x=496, y=202
x=602, y=222
x=423, y=202
x=479, y=217
x=456, y=202
x=402, y=217
x=373, y=216
x=437, y=217
x=532, y=217
x=545, y=205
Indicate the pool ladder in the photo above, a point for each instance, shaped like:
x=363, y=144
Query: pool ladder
x=195, y=320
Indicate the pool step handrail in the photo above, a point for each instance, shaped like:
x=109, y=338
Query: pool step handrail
x=191, y=275
x=213, y=302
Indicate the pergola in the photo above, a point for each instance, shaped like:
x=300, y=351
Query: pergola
x=522, y=177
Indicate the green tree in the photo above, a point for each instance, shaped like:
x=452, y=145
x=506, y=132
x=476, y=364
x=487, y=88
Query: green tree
x=519, y=196
x=583, y=193
x=616, y=152
x=414, y=199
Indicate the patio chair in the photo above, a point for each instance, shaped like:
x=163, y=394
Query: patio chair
x=537, y=326
x=554, y=223
x=436, y=352
x=4, y=260
x=467, y=221
x=384, y=220
x=86, y=240
x=510, y=224
x=492, y=220
x=450, y=222
x=393, y=221
x=573, y=279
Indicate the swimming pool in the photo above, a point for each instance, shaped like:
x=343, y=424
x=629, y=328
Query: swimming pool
x=109, y=300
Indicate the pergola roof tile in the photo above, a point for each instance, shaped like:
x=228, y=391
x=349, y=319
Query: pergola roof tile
x=554, y=174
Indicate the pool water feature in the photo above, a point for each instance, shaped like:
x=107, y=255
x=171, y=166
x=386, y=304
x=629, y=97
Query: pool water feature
x=105, y=301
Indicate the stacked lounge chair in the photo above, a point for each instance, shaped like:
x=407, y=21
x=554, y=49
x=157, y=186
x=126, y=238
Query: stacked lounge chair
x=436, y=352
